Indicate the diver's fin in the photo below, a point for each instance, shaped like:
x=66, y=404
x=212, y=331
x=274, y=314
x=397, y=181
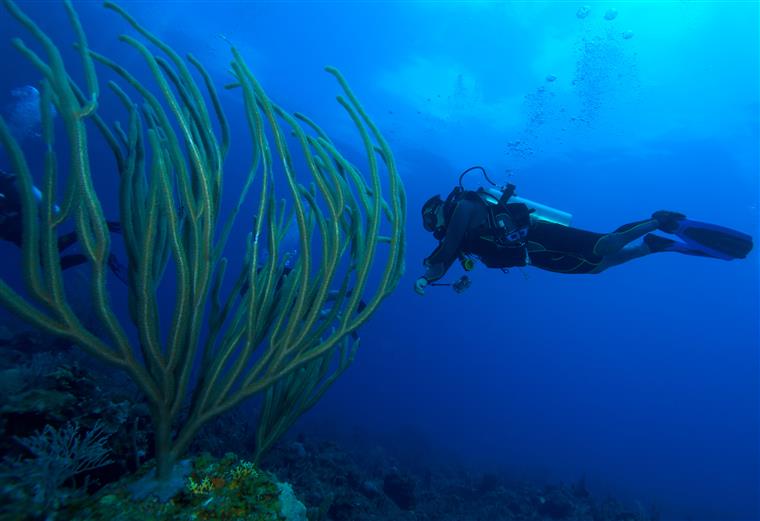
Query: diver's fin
x=713, y=240
x=657, y=243
x=667, y=221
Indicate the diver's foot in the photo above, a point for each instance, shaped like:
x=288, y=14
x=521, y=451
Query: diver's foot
x=114, y=226
x=667, y=221
x=656, y=244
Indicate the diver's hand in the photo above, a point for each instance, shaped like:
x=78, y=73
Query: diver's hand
x=419, y=285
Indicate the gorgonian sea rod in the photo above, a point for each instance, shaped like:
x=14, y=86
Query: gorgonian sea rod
x=280, y=328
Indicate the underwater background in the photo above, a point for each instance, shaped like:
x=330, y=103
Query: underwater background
x=644, y=379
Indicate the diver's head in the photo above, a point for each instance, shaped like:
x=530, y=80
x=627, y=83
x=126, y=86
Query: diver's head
x=432, y=214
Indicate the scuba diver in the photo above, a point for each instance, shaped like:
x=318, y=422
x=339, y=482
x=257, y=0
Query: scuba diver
x=505, y=231
x=11, y=227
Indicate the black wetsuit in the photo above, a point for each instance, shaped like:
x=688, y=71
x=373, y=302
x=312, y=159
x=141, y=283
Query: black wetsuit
x=12, y=226
x=549, y=246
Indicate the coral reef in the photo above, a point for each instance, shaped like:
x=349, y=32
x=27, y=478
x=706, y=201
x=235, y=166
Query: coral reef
x=226, y=489
x=324, y=481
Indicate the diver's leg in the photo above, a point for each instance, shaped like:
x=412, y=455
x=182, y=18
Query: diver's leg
x=616, y=241
x=76, y=259
x=623, y=255
x=118, y=269
x=66, y=240
x=69, y=261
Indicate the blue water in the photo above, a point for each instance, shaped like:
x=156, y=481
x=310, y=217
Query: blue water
x=644, y=378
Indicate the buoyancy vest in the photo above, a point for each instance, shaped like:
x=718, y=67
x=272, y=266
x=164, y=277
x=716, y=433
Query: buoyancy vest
x=506, y=225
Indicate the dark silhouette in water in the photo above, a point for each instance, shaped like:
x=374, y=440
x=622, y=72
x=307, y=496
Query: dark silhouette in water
x=12, y=227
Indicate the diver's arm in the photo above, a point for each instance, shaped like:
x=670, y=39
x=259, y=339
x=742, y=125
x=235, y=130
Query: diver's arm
x=439, y=262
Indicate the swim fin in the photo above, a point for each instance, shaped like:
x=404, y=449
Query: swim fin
x=657, y=243
x=713, y=240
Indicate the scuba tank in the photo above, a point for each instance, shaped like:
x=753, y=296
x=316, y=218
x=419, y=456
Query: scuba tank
x=539, y=211
x=544, y=212
x=496, y=195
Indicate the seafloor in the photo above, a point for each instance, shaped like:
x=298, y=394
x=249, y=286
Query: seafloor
x=49, y=391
